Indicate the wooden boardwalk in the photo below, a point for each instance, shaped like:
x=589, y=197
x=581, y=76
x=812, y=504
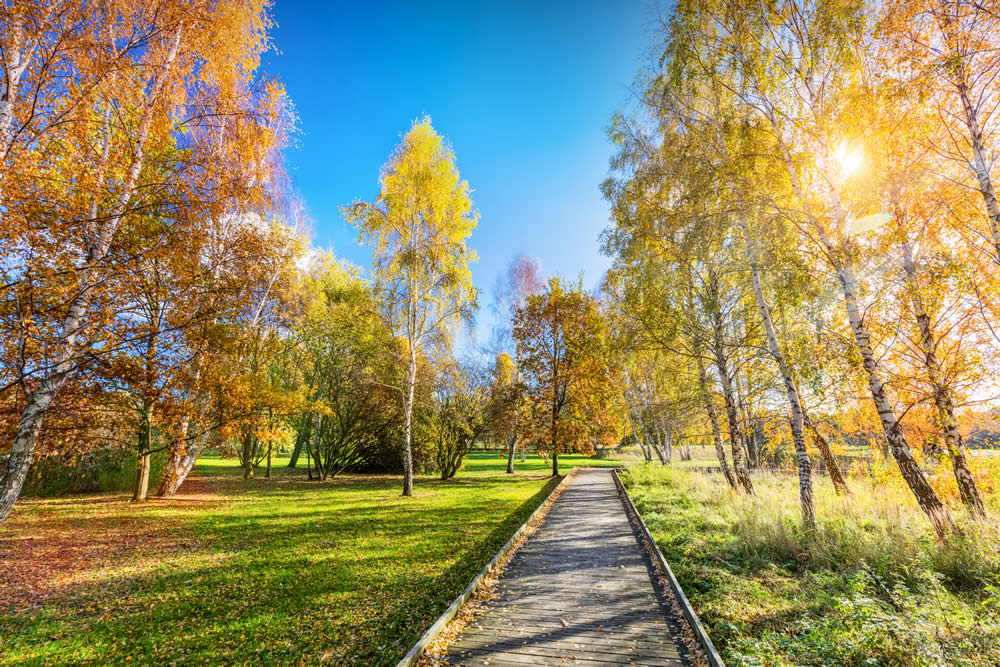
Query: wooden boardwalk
x=580, y=591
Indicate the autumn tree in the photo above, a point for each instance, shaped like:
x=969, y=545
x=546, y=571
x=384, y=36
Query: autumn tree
x=417, y=228
x=791, y=67
x=108, y=118
x=561, y=336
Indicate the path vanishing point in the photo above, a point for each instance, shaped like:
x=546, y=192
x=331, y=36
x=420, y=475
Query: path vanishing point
x=581, y=590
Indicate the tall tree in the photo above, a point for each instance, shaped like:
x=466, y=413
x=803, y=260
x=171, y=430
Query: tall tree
x=418, y=228
x=124, y=97
x=561, y=336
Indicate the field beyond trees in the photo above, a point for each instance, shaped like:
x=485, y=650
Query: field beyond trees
x=263, y=570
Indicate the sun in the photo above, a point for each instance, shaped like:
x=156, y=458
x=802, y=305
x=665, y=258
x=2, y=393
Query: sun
x=849, y=158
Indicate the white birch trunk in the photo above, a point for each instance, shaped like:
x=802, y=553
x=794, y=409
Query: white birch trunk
x=981, y=166
x=946, y=421
x=411, y=383
x=797, y=418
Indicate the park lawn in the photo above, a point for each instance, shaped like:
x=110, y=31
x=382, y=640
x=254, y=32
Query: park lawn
x=277, y=570
x=871, y=585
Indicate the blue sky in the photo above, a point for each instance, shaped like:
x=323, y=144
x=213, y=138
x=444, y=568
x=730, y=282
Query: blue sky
x=521, y=90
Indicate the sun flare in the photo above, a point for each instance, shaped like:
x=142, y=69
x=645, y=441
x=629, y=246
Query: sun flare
x=849, y=158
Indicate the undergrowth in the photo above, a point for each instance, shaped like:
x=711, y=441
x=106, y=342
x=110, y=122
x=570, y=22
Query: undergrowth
x=870, y=585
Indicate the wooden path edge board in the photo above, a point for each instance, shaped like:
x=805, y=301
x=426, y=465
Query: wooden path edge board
x=711, y=654
x=442, y=622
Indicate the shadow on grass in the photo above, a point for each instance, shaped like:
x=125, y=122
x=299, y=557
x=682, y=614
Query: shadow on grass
x=347, y=569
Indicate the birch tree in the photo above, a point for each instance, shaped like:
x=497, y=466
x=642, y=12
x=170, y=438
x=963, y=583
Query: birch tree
x=418, y=228
x=121, y=94
x=789, y=64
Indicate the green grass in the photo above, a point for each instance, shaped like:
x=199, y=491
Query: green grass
x=264, y=571
x=871, y=585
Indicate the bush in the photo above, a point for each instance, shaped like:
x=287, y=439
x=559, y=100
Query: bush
x=107, y=469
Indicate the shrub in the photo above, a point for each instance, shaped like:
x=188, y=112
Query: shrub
x=106, y=469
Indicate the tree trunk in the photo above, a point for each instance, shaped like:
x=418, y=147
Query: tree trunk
x=411, y=383
x=743, y=410
x=555, y=464
x=22, y=450
x=657, y=442
x=513, y=445
x=267, y=474
x=947, y=424
x=142, y=478
x=249, y=445
x=182, y=461
x=926, y=497
x=300, y=440
x=832, y=467
x=16, y=60
x=141, y=491
x=735, y=437
x=980, y=158
x=178, y=470
x=797, y=417
x=713, y=418
x=640, y=437
x=668, y=435
x=173, y=471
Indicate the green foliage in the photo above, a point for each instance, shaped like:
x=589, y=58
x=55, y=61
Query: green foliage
x=344, y=355
x=101, y=470
x=459, y=416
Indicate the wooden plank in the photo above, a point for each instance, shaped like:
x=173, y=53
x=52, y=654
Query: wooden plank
x=534, y=657
x=602, y=651
x=637, y=647
x=634, y=649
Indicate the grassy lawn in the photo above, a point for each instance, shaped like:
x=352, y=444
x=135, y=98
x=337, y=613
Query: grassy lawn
x=871, y=585
x=275, y=571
